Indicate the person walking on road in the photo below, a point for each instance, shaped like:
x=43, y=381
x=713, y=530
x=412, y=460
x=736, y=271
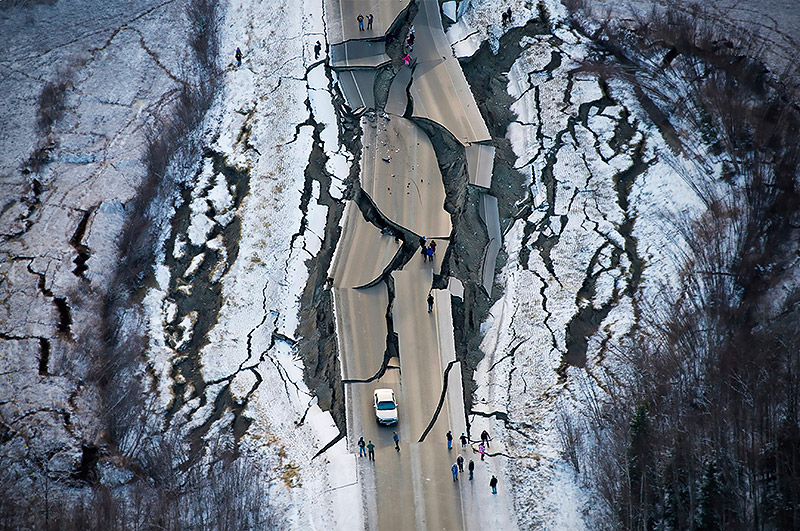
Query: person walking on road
x=485, y=438
x=481, y=450
x=493, y=484
x=429, y=253
x=369, y=21
x=454, y=470
x=433, y=246
x=463, y=441
x=238, y=56
x=430, y=307
x=460, y=463
x=317, y=49
x=362, y=451
x=424, y=252
x=471, y=468
x=360, y=19
x=449, y=440
x=396, y=441
x=371, y=448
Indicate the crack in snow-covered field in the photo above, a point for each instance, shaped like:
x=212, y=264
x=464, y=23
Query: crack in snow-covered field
x=592, y=242
x=246, y=364
x=588, y=242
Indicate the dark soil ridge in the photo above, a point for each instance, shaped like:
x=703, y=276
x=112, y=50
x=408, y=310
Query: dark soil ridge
x=485, y=73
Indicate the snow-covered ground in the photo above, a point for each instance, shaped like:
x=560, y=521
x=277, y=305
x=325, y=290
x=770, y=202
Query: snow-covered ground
x=263, y=126
x=603, y=187
x=65, y=185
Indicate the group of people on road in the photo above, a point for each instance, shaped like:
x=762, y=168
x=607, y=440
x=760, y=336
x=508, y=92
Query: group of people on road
x=368, y=449
x=360, y=19
x=408, y=45
x=427, y=250
x=458, y=466
x=364, y=448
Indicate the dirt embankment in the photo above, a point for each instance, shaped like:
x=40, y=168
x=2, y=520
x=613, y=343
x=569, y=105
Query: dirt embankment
x=485, y=74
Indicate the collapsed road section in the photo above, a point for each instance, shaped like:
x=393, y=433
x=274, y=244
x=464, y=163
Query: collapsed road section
x=394, y=329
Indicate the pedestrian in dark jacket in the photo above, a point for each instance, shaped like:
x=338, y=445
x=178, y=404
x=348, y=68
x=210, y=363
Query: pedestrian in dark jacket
x=360, y=19
x=238, y=56
x=433, y=246
x=471, y=468
x=493, y=484
x=317, y=49
x=369, y=21
x=485, y=438
x=362, y=447
x=463, y=441
x=396, y=441
x=460, y=463
x=371, y=450
x=449, y=440
x=430, y=309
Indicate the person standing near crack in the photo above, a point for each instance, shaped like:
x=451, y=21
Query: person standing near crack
x=238, y=56
x=430, y=309
x=317, y=49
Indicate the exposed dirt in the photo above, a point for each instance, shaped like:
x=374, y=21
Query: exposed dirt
x=318, y=347
x=198, y=295
x=485, y=74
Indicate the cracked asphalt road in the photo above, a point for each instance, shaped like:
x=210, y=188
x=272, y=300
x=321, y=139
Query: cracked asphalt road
x=439, y=90
x=412, y=488
x=401, y=175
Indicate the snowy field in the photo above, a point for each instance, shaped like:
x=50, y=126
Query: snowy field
x=603, y=189
x=263, y=126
